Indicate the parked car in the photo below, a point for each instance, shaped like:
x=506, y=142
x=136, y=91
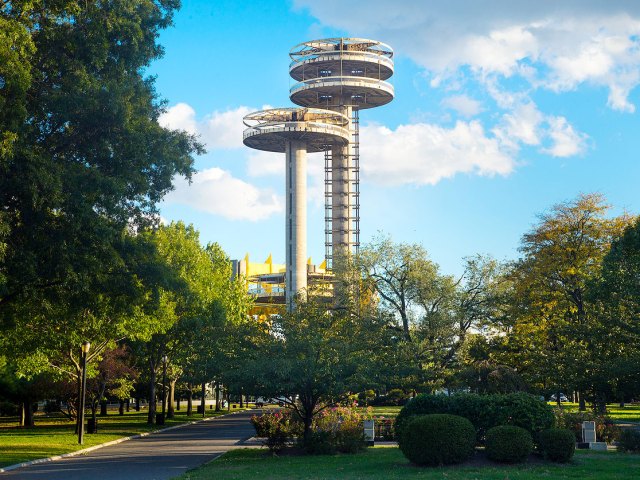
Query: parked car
x=563, y=398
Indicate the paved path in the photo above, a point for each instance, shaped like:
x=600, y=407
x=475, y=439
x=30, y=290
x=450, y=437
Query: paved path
x=159, y=456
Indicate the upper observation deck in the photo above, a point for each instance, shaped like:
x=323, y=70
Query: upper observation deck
x=341, y=71
x=269, y=130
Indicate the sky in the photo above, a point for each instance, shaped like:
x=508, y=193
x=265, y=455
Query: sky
x=502, y=109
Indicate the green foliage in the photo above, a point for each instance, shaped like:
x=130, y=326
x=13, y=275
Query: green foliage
x=606, y=429
x=557, y=444
x=438, y=439
x=276, y=427
x=344, y=426
x=629, y=441
x=484, y=411
x=312, y=352
x=319, y=442
x=552, y=322
x=508, y=444
x=395, y=397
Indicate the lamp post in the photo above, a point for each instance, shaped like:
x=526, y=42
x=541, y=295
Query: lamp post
x=83, y=389
x=164, y=382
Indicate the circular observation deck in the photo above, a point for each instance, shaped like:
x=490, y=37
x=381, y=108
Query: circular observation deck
x=269, y=130
x=341, y=71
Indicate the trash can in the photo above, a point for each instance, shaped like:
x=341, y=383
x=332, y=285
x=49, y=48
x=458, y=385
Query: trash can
x=159, y=418
x=199, y=409
x=92, y=425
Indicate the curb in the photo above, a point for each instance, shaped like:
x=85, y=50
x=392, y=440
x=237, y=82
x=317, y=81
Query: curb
x=107, y=444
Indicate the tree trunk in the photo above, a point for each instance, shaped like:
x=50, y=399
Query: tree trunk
x=137, y=404
x=128, y=404
x=202, y=400
x=151, y=416
x=172, y=393
x=103, y=408
x=178, y=402
x=26, y=413
x=582, y=405
x=189, y=399
x=217, y=397
x=241, y=397
x=121, y=409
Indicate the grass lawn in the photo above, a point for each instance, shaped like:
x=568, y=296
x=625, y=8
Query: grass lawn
x=386, y=411
x=389, y=463
x=54, y=435
x=629, y=413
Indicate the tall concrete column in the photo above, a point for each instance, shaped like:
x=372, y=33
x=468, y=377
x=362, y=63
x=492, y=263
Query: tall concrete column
x=296, y=231
x=342, y=235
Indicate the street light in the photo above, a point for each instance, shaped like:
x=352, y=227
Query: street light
x=164, y=381
x=83, y=389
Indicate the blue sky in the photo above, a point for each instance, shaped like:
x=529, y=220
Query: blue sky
x=502, y=109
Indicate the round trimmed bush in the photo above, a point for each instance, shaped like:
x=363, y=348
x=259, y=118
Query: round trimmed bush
x=557, y=444
x=438, y=439
x=508, y=444
x=421, y=405
x=629, y=441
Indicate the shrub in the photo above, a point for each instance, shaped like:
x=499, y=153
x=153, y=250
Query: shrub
x=508, y=444
x=629, y=441
x=320, y=442
x=484, y=411
x=340, y=426
x=557, y=444
x=421, y=405
x=606, y=430
x=276, y=427
x=522, y=410
x=437, y=439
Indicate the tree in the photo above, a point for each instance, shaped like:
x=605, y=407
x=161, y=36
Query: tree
x=434, y=311
x=550, y=332
x=616, y=294
x=313, y=356
x=82, y=155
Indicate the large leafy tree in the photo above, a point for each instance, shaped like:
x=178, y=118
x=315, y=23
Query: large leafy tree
x=82, y=155
x=550, y=331
x=313, y=356
x=433, y=312
x=617, y=296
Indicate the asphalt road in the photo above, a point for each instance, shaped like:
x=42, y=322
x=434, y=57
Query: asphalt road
x=159, y=456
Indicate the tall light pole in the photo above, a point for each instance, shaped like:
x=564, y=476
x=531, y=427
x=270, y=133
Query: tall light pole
x=164, y=381
x=83, y=389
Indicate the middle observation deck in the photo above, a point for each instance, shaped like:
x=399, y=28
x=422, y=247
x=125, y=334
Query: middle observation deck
x=335, y=72
x=269, y=130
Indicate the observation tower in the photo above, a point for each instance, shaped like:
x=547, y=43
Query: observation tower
x=345, y=75
x=294, y=132
x=335, y=79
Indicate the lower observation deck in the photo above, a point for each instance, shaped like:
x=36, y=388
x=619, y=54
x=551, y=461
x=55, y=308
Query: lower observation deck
x=269, y=130
x=336, y=91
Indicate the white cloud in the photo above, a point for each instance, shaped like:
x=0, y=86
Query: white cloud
x=179, y=117
x=521, y=125
x=551, y=44
x=220, y=129
x=425, y=154
x=526, y=125
x=217, y=192
x=262, y=163
x=464, y=105
x=566, y=142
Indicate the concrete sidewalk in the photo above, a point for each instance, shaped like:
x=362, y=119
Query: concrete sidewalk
x=159, y=456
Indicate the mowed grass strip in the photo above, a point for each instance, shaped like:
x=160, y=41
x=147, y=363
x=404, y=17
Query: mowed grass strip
x=389, y=464
x=54, y=435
